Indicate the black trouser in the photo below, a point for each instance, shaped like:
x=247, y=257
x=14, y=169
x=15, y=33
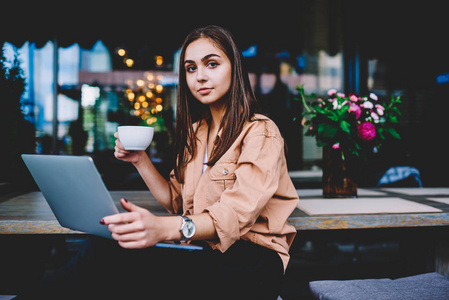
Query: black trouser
x=104, y=270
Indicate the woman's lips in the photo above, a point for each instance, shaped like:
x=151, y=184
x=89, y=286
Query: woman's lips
x=204, y=91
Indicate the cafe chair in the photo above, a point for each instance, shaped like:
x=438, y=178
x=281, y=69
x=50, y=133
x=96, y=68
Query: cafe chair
x=395, y=175
x=431, y=286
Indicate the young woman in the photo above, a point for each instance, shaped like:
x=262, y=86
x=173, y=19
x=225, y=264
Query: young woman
x=230, y=184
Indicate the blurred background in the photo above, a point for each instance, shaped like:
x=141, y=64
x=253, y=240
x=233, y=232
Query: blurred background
x=72, y=72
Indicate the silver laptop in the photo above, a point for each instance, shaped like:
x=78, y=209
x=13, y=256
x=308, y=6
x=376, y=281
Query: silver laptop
x=74, y=190
x=76, y=193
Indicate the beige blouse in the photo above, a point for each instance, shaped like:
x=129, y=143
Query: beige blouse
x=248, y=192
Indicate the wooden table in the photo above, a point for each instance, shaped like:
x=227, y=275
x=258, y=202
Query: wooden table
x=370, y=221
x=30, y=214
x=28, y=230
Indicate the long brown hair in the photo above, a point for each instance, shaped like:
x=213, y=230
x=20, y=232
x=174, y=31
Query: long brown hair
x=240, y=106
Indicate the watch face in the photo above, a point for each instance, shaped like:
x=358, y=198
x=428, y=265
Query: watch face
x=189, y=229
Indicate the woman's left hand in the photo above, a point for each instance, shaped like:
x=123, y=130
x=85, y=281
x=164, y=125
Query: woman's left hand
x=137, y=228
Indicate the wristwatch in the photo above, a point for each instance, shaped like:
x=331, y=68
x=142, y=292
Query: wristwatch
x=187, y=228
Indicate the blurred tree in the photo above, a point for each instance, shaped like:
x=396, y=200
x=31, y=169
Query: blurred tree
x=18, y=135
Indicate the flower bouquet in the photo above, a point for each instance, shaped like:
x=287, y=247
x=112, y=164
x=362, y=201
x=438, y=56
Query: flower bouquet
x=348, y=125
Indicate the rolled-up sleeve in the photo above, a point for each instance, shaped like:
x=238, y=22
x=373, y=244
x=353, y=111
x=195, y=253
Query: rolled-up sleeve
x=175, y=191
x=257, y=175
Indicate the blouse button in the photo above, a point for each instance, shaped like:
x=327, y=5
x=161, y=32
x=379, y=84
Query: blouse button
x=225, y=172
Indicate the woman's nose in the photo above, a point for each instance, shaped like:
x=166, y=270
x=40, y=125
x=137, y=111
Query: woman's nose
x=201, y=75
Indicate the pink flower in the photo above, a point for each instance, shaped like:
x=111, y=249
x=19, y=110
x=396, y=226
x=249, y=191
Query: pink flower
x=366, y=131
x=336, y=146
x=374, y=116
x=354, y=98
x=355, y=109
x=380, y=109
x=331, y=92
x=303, y=122
x=373, y=96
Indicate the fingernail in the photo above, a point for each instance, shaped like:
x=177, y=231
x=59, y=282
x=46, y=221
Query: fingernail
x=102, y=221
x=126, y=201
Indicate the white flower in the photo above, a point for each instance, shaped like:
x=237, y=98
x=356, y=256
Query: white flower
x=368, y=105
x=373, y=96
x=335, y=104
x=374, y=116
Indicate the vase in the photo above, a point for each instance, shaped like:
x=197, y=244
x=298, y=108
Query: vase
x=338, y=180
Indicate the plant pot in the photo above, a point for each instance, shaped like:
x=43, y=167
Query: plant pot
x=338, y=175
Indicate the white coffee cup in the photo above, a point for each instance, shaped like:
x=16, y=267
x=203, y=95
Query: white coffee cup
x=135, y=137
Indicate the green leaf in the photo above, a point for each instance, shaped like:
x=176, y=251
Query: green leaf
x=321, y=143
x=333, y=116
x=394, y=133
x=326, y=130
x=380, y=131
x=345, y=126
x=393, y=119
x=343, y=111
x=320, y=110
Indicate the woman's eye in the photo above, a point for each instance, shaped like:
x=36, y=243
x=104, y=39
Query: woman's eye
x=190, y=69
x=212, y=64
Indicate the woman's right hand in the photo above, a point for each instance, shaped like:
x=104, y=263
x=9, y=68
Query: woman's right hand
x=126, y=155
x=157, y=184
